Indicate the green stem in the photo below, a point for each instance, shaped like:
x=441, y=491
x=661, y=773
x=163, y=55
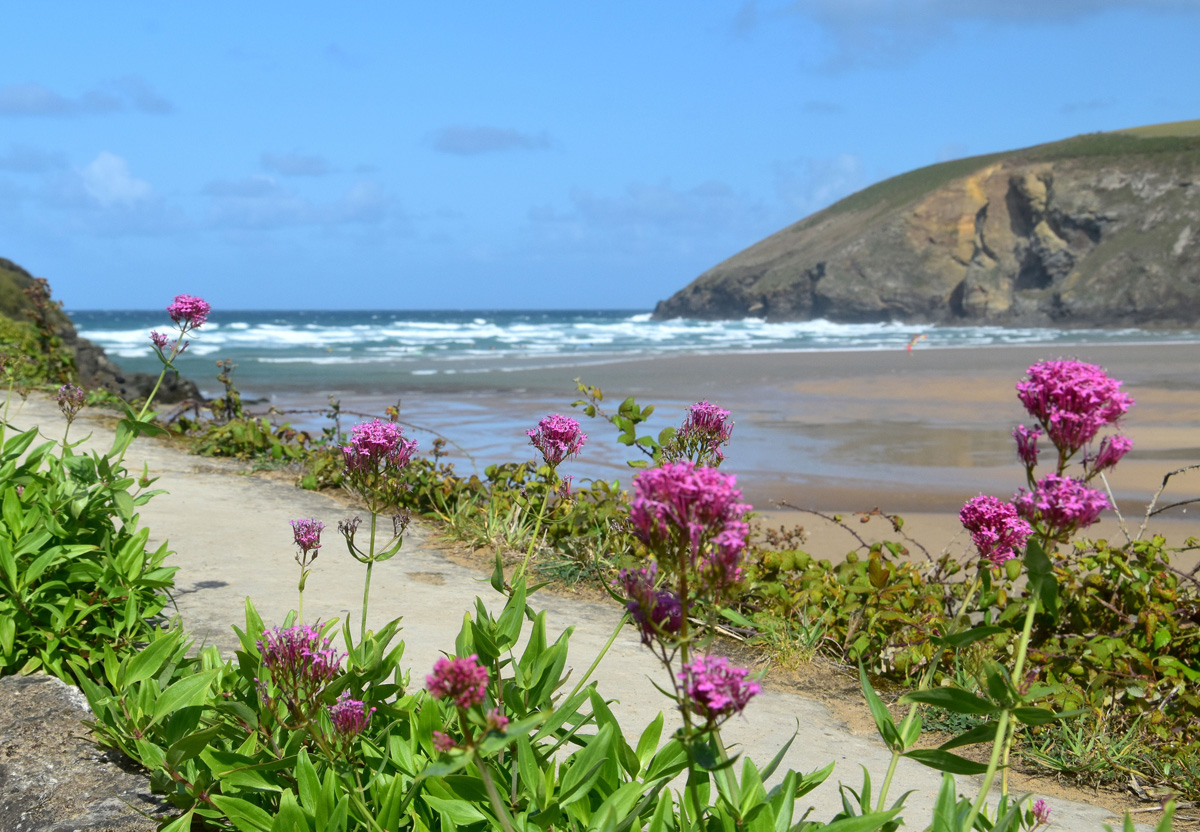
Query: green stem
x=926, y=680
x=7, y=404
x=993, y=764
x=537, y=525
x=727, y=772
x=596, y=663
x=493, y=794
x=1003, y=741
x=367, y=583
x=1018, y=670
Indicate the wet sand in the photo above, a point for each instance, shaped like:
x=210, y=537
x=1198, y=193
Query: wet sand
x=912, y=433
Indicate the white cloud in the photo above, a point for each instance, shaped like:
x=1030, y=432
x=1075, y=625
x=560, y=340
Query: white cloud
x=882, y=32
x=808, y=185
x=22, y=158
x=108, y=181
x=649, y=220
x=295, y=164
x=261, y=202
x=464, y=140
x=34, y=100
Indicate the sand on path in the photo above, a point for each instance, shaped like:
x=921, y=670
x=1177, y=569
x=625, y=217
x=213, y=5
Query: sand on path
x=231, y=540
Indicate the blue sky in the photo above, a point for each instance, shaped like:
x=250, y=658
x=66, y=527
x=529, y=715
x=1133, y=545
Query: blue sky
x=535, y=154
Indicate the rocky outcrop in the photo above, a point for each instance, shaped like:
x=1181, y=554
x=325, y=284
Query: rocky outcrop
x=1100, y=230
x=95, y=368
x=52, y=778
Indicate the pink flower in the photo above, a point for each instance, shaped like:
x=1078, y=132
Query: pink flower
x=657, y=612
x=375, y=445
x=159, y=340
x=189, y=312
x=706, y=427
x=556, y=438
x=1112, y=450
x=496, y=720
x=721, y=568
x=715, y=690
x=71, y=400
x=307, y=535
x=1027, y=448
x=1062, y=504
x=681, y=504
x=463, y=680
x=300, y=661
x=1072, y=400
x=349, y=716
x=995, y=528
x=1041, y=812
x=443, y=742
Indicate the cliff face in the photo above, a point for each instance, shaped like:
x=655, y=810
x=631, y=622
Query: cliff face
x=1100, y=230
x=94, y=367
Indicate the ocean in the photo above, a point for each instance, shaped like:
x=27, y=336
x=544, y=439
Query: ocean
x=372, y=352
x=825, y=412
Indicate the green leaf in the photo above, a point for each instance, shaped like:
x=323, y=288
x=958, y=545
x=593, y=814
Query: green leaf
x=1042, y=582
x=879, y=712
x=148, y=661
x=861, y=823
x=978, y=734
x=183, y=823
x=648, y=742
x=958, y=640
x=945, y=761
x=1043, y=716
x=952, y=699
x=243, y=814
x=459, y=811
x=188, y=691
x=190, y=745
x=307, y=782
x=585, y=766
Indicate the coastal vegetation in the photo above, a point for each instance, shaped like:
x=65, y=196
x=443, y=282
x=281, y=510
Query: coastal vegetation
x=1040, y=645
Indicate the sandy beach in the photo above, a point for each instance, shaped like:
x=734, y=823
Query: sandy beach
x=917, y=434
x=911, y=433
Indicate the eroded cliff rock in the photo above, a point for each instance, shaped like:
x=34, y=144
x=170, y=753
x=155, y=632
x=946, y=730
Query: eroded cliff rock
x=1100, y=230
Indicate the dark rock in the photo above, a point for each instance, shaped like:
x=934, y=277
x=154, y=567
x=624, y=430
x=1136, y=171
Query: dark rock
x=52, y=778
x=96, y=369
x=1099, y=230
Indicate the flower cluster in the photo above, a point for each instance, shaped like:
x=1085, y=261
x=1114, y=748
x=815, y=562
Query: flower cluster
x=1041, y=813
x=189, y=312
x=375, y=445
x=680, y=506
x=463, y=680
x=995, y=527
x=71, y=400
x=301, y=664
x=307, y=535
x=657, y=612
x=375, y=456
x=714, y=690
x=1027, y=445
x=1061, y=504
x=350, y=717
x=1073, y=401
x=705, y=429
x=1112, y=450
x=556, y=438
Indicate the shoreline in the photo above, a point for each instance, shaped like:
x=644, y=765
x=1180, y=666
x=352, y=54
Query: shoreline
x=917, y=432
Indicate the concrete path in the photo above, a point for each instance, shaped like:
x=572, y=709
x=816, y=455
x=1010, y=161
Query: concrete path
x=232, y=540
